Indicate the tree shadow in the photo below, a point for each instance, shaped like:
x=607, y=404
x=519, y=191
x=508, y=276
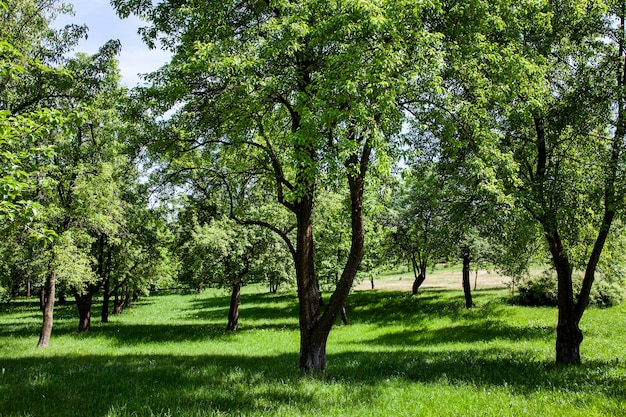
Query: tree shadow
x=254, y=385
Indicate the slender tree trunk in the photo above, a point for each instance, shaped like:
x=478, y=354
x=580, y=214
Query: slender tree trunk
x=106, y=299
x=233, y=312
x=48, y=294
x=28, y=288
x=118, y=303
x=128, y=299
x=344, y=316
x=419, y=272
x=467, y=290
x=42, y=298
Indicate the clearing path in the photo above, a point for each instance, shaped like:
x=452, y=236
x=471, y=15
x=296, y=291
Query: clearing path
x=438, y=280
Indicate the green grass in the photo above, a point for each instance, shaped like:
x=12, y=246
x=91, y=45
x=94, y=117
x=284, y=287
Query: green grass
x=400, y=356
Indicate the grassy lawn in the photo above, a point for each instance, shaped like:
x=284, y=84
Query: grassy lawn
x=400, y=356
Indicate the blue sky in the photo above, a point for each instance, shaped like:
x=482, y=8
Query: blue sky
x=104, y=25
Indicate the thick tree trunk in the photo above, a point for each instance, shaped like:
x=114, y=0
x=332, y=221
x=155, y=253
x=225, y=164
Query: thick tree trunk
x=48, y=294
x=568, y=334
x=467, y=290
x=312, y=347
x=314, y=330
x=233, y=312
x=83, y=303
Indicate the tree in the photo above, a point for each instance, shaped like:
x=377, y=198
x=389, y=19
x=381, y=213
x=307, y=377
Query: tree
x=229, y=255
x=306, y=87
x=533, y=88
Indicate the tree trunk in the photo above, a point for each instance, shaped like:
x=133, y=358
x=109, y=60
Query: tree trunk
x=83, y=303
x=105, y=273
x=48, y=294
x=568, y=334
x=344, y=316
x=106, y=298
x=128, y=300
x=233, y=312
x=312, y=348
x=314, y=330
x=28, y=288
x=42, y=299
x=467, y=290
x=419, y=272
x=118, y=303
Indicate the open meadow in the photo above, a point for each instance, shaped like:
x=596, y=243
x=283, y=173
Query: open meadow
x=169, y=355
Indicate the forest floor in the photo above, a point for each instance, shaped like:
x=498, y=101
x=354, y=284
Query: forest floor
x=169, y=355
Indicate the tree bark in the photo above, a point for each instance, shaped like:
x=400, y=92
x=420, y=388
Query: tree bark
x=314, y=330
x=84, y=303
x=42, y=298
x=312, y=349
x=467, y=290
x=419, y=272
x=118, y=303
x=233, y=312
x=48, y=294
x=568, y=334
x=106, y=299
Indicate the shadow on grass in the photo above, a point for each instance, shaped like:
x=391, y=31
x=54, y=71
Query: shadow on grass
x=257, y=311
x=236, y=385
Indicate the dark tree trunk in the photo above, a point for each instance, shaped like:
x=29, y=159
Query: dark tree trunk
x=83, y=303
x=118, y=303
x=128, y=299
x=314, y=330
x=233, y=312
x=568, y=334
x=28, y=288
x=42, y=299
x=105, y=273
x=106, y=299
x=467, y=290
x=48, y=294
x=344, y=316
x=273, y=285
x=419, y=272
x=312, y=347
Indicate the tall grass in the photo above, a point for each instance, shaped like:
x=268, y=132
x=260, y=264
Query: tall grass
x=169, y=355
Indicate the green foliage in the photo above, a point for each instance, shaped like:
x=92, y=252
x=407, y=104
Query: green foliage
x=541, y=290
x=222, y=252
x=538, y=291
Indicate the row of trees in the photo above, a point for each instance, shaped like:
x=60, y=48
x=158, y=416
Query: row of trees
x=484, y=131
